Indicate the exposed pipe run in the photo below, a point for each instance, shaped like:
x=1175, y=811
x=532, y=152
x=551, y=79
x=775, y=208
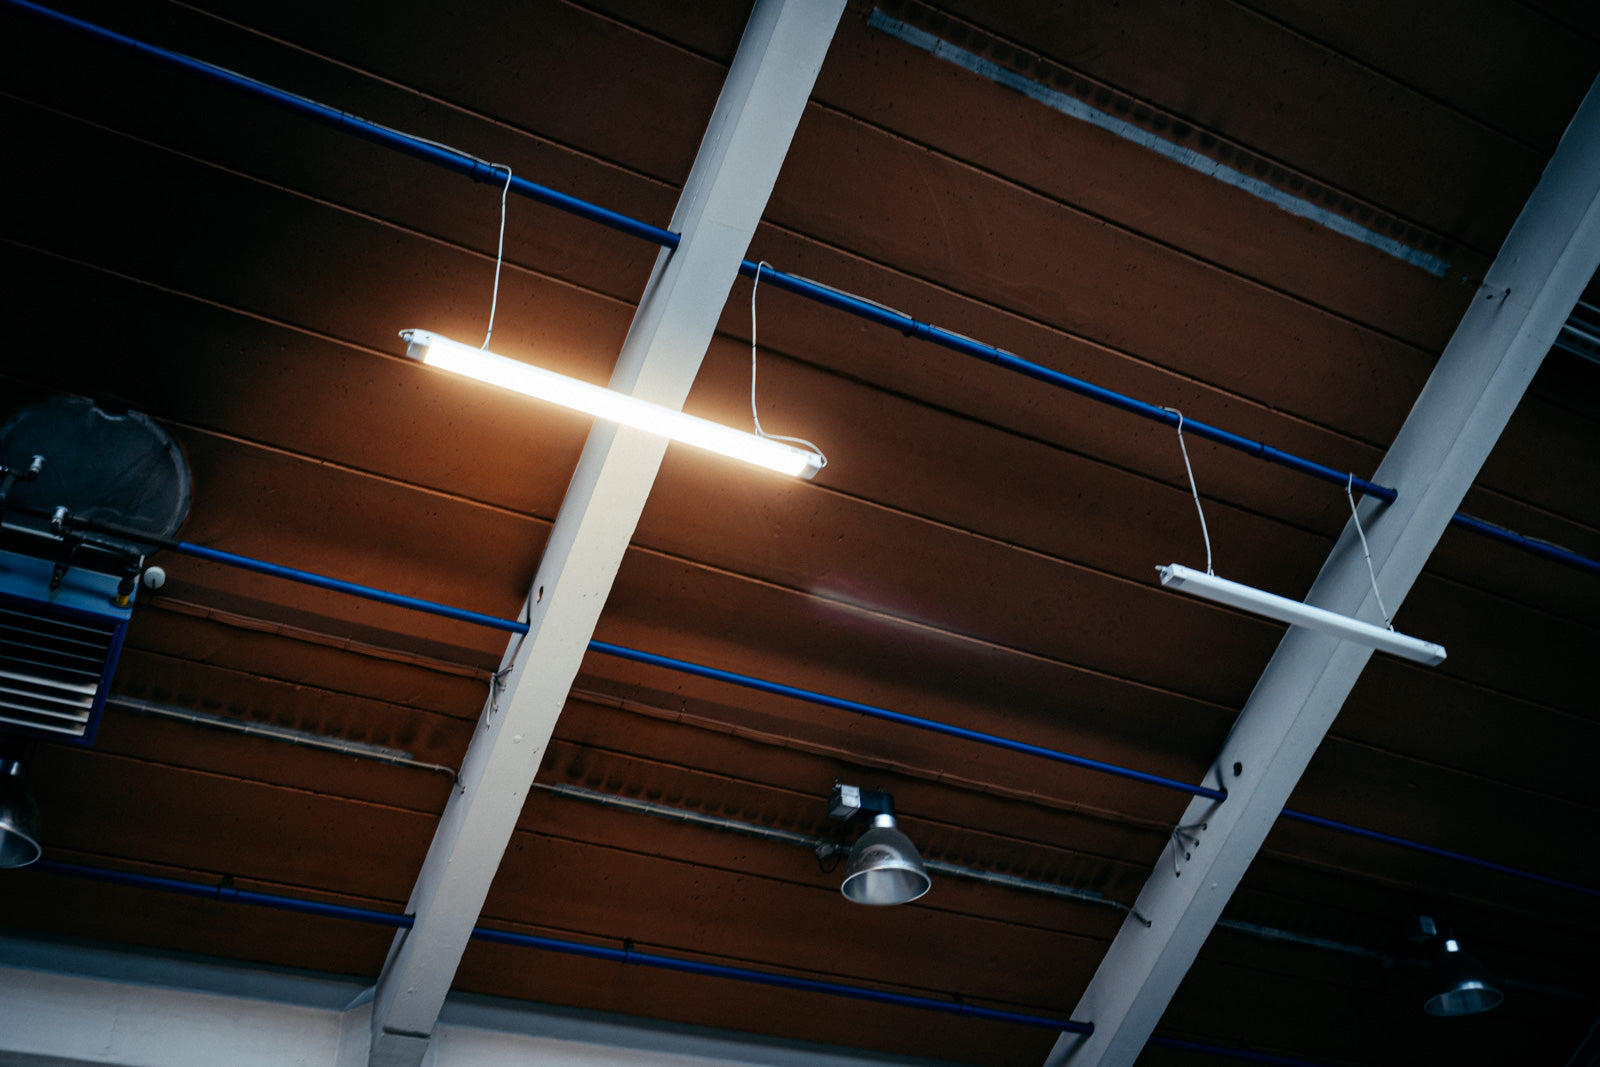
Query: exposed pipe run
x=1524, y=542
x=872, y=711
x=627, y=955
x=366, y=592
x=1429, y=850
x=825, y=700
x=227, y=892
x=279, y=733
x=822, y=846
x=956, y=342
x=481, y=170
x=821, y=699
x=819, y=845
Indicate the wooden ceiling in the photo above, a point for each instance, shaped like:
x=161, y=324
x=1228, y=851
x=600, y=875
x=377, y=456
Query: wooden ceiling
x=979, y=551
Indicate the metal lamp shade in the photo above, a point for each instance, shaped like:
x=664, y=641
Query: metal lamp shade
x=19, y=819
x=1458, y=985
x=884, y=867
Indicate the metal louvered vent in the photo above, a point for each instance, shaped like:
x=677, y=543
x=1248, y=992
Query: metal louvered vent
x=57, y=648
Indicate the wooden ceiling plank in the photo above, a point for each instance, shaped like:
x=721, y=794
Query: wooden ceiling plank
x=1547, y=259
x=744, y=146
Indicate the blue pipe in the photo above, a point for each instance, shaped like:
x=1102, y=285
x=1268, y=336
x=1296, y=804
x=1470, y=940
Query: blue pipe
x=367, y=592
x=875, y=712
x=1417, y=846
x=479, y=170
x=572, y=948
x=1524, y=542
x=224, y=892
x=782, y=981
x=911, y=327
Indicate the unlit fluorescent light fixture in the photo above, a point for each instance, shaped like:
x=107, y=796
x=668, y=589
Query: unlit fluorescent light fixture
x=1295, y=613
x=609, y=404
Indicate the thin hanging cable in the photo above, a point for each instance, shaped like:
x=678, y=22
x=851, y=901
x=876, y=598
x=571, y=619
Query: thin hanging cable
x=499, y=254
x=754, y=417
x=1365, y=551
x=1193, y=490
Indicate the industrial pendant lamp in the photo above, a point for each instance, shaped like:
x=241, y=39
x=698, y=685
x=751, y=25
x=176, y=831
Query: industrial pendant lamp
x=602, y=403
x=1457, y=984
x=884, y=867
x=19, y=818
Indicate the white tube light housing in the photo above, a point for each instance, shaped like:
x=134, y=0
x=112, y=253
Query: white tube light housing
x=1295, y=613
x=603, y=403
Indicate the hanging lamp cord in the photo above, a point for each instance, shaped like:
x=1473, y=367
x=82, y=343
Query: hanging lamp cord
x=499, y=253
x=754, y=417
x=1367, y=552
x=1195, y=492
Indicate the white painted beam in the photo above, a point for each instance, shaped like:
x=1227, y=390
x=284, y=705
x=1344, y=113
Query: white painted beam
x=749, y=134
x=1548, y=258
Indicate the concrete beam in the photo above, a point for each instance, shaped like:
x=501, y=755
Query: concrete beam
x=1548, y=258
x=744, y=146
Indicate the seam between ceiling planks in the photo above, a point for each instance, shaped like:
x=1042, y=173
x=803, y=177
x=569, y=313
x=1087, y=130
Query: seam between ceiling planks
x=1374, y=71
x=1165, y=245
x=134, y=760
x=1152, y=119
x=1252, y=156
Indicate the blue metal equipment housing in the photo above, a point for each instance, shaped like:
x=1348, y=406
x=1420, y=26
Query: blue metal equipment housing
x=58, y=647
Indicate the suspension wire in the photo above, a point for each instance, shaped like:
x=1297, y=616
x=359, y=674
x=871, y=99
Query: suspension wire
x=1367, y=552
x=1195, y=492
x=754, y=417
x=499, y=254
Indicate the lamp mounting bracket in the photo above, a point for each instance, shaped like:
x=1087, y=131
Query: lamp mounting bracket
x=850, y=802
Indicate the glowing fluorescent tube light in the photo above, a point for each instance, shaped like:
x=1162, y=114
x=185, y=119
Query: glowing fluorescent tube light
x=608, y=404
x=1295, y=613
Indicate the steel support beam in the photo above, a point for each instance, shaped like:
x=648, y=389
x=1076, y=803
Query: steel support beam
x=744, y=146
x=1548, y=258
